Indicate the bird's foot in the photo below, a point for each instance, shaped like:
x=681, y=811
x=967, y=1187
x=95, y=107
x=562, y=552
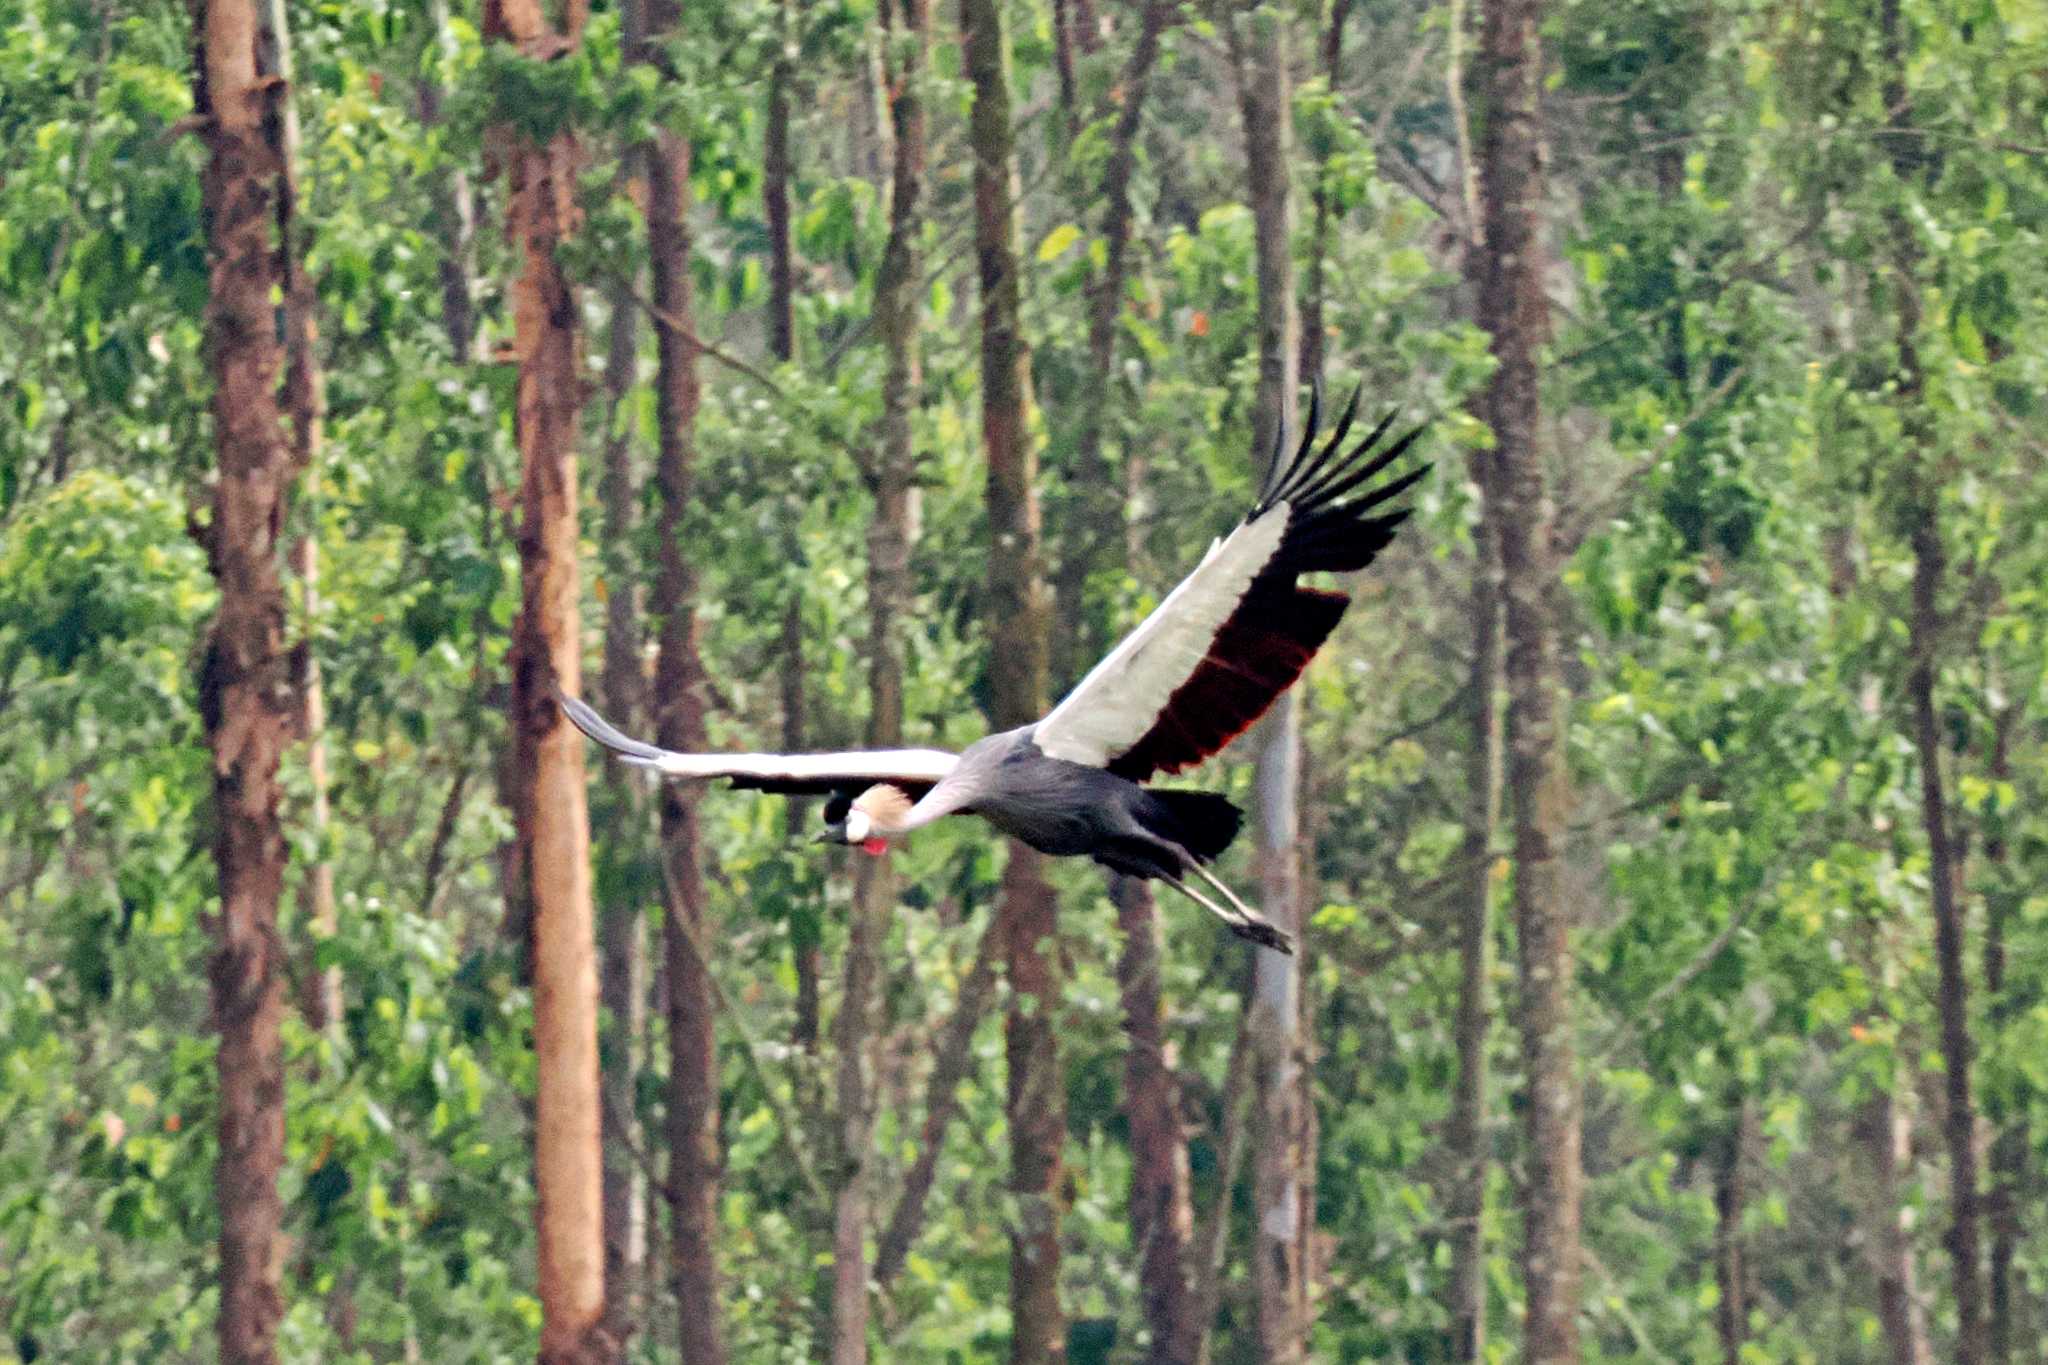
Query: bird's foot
x=1263, y=932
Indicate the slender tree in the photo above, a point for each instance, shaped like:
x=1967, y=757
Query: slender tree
x=1160, y=1212
x=2011, y=1143
x=1515, y=311
x=1094, y=520
x=550, y=814
x=1026, y=909
x=453, y=199
x=1944, y=874
x=246, y=701
x=693, y=1173
x=905, y=38
x=1280, y=1227
x=775, y=191
x=622, y=978
x=305, y=403
x=1731, y=1195
x=1468, y=1126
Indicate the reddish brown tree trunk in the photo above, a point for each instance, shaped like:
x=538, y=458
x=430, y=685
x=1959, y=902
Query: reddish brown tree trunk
x=245, y=692
x=549, y=811
x=1026, y=908
x=693, y=1171
x=1514, y=310
x=1282, y=1220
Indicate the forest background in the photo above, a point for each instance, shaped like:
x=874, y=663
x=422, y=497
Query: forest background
x=1663, y=827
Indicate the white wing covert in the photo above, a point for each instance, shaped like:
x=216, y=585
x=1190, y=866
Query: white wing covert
x=1239, y=630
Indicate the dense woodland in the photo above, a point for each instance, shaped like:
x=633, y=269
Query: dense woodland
x=1662, y=827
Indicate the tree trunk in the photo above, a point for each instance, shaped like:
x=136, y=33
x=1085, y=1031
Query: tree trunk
x=952, y=1059
x=549, y=811
x=1731, y=1197
x=245, y=693
x=454, y=205
x=1468, y=1136
x=1887, y=1135
x=1944, y=871
x=890, y=533
x=1162, y=1214
x=805, y=952
x=2011, y=1143
x=1026, y=909
x=1314, y=341
x=775, y=176
x=1515, y=311
x=694, y=1160
x=1095, y=520
x=622, y=979
x=305, y=403
x=1281, y=1222
x=1468, y=1125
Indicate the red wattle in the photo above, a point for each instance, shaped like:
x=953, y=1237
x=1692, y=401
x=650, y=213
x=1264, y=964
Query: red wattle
x=874, y=848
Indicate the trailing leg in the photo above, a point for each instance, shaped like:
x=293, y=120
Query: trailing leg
x=1243, y=921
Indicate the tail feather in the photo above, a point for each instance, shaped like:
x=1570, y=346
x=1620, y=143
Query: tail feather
x=1203, y=823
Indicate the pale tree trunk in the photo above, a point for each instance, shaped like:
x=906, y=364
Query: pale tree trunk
x=1026, y=909
x=1281, y=1221
x=1515, y=311
x=622, y=981
x=245, y=695
x=905, y=36
x=549, y=811
x=694, y=1159
x=1467, y=1204
x=305, y=403
x=1886, y=1135
x=1468, y=1125
x=1944, y=873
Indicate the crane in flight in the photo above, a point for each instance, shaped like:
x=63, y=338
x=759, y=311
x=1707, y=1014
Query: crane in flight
x=1195, y=674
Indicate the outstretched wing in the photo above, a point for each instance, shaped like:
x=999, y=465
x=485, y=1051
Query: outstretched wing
x=1238, y=630
x=914, y=770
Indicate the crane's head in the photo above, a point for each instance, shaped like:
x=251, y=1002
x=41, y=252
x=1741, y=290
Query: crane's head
x=866, y=821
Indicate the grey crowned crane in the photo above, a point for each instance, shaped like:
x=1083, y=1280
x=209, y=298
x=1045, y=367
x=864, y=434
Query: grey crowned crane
x=1206, y=663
